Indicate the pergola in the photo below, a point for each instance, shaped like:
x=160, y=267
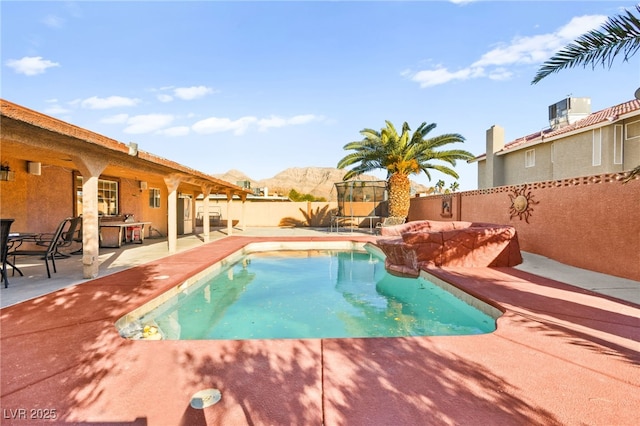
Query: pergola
x=34, y=137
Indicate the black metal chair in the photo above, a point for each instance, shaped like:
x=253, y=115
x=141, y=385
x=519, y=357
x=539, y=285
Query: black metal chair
x=50, y=252
x=69, y=236
x=5, y=226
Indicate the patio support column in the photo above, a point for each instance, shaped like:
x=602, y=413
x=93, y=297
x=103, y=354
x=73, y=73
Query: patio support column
x=206, y=190
x=172, y=183
x=90, y=168
x=229, y=219
x=244, y=210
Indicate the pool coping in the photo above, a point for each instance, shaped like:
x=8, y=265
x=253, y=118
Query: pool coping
x=560, y=355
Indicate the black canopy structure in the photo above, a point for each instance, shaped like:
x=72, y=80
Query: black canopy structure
x=360, y=199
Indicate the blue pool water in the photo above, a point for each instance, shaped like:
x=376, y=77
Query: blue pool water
x=313, y=294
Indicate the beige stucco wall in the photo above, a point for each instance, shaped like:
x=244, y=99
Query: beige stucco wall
x=276, y=213
x=482, y=174
x=514, y=165
x=37, y=203
x=569, y=156
x=631, y=144
x=573, y=156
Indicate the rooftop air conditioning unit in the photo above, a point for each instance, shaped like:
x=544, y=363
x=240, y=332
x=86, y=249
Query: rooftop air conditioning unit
x=568, y=111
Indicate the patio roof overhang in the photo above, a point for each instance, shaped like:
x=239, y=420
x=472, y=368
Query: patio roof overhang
x=32, y=136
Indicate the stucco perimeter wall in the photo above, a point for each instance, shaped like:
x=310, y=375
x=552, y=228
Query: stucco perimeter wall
x=589, y=222
x=269, y=213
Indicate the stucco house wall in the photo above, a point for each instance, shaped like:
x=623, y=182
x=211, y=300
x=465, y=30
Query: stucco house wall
x=36, y=203
x=631, y=143
x=515, y=170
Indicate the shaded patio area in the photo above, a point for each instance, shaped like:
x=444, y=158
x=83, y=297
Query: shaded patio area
x=561, y=355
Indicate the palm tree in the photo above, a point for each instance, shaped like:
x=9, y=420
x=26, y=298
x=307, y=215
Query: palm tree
x=402, y=155
x=620, y=34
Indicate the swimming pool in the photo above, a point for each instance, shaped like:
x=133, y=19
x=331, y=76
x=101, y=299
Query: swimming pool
x=334, y=290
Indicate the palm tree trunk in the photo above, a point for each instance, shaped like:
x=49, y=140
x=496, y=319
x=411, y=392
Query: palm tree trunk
x=399, y=195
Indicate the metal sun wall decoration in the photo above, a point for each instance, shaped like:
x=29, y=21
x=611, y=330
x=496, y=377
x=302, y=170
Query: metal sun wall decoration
x=521, y=203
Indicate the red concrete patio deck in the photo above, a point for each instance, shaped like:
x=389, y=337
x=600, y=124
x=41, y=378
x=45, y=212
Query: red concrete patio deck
x=560, y=356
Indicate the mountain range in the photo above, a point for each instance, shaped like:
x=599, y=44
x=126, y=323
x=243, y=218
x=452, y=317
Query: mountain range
x=317, y=181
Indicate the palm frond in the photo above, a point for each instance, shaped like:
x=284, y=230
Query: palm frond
x=442, y=169
x=619, y=35
x=633, y=174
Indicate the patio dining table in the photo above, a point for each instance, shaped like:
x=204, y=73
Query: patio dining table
x=112, y=234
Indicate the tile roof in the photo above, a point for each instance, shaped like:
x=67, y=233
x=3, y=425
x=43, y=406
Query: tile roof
x=592, y=119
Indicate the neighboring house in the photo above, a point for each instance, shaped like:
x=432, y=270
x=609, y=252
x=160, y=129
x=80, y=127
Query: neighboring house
x=577, y=143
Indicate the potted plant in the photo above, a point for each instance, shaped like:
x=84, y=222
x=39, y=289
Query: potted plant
x=5, y=171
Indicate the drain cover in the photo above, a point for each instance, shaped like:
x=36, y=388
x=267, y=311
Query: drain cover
x=205, y=398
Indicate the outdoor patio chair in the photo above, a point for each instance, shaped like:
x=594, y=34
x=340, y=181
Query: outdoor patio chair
x=4, y=245
x=50, y=251
x=389, y=221
x=69, y=236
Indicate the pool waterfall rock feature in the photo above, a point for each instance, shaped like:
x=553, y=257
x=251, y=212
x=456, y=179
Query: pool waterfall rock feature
x=426, y=244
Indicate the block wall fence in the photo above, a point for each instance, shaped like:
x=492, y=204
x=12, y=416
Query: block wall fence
x=590, y=222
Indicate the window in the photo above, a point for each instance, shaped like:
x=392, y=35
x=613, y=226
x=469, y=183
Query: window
x=633, y=130
x=597, y=147
x=530, y=158
x=108, y=196
x=617, y=144
x=154, y=198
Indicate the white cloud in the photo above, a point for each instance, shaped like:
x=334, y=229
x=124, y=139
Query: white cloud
x=275, y=121
x=519, y=51
x=580, y=25
x=440, y=75
x=500, y=74
x=194, y=92
x=30, y=65
x=162, y=97
x=56, y=110
x=115, y=119
x=95, y=102
x=217, y=125
x=53, y=21
x=241, y=125
x=147, y=123
x=175, y=131
x=305, y=118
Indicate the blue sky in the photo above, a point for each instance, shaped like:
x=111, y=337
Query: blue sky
x=264, y=86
